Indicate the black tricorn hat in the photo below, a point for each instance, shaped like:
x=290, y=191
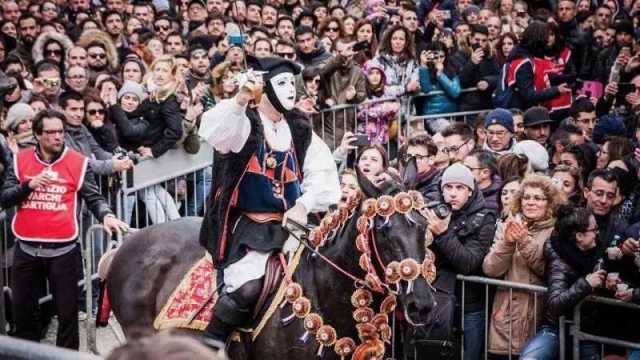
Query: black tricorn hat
x=273, y=65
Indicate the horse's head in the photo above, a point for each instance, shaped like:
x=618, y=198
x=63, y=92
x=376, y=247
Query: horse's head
x=400, y=235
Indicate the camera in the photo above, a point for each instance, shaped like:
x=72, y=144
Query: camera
x=442, y=210
x=122, y=153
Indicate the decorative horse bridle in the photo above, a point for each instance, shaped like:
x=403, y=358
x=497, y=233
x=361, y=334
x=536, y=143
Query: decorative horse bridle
x=373, y=329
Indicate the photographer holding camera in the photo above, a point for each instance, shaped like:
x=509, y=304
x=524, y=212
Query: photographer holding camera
x=461, y=241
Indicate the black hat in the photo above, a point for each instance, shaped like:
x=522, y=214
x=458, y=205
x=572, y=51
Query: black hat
x=536, y=115
x=201, y=42
x=273, y=65
x=203, y=3
x=624, y=26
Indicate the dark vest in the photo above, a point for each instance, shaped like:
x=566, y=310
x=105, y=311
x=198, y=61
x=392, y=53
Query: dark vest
x=228, y=170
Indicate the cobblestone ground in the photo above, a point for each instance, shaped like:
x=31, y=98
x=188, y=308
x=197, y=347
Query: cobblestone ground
x=107, y=338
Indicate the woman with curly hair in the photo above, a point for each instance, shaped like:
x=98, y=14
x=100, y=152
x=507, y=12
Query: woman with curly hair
x=517, y=255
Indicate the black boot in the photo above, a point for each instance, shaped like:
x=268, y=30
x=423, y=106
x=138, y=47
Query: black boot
x=227, y=316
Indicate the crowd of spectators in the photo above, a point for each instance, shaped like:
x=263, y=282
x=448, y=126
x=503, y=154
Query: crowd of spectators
x=543, y=189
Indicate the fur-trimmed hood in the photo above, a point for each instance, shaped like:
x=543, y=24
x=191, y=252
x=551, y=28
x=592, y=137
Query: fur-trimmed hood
x=105, y=39
x=37, y=51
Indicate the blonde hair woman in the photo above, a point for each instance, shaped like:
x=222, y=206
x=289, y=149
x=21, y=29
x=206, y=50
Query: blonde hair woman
x=517, y=255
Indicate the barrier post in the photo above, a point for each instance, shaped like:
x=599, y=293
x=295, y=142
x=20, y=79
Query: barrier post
x=90, y=326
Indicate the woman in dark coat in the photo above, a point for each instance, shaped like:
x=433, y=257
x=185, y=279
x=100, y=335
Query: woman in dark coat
x=572, y=255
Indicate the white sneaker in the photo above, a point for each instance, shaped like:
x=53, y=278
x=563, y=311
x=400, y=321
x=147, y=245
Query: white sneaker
x=82, y=316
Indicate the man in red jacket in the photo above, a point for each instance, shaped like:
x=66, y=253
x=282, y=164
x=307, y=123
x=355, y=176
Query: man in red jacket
x=46, y=185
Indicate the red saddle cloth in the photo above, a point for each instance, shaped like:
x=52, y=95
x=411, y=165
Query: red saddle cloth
x=190, y=306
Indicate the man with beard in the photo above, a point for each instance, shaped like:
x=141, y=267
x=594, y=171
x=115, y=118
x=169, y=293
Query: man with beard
x=97, y=59
x=28, y=30
x=49, y=181
x=114, y=26
x=198, y=67
x=269, y=18
x=481, y=71
x=305, y=181
x=215, y=25
x=537, y=125
x=345, y=80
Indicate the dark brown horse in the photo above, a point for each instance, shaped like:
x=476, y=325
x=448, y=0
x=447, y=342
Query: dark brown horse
x=150, y=264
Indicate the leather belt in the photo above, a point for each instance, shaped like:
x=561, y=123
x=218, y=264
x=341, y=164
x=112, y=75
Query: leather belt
x=264, y=217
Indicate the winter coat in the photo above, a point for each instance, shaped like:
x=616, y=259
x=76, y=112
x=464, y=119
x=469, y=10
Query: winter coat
x=397, y=72
x=318, y=57
x=165, y=124
x=443, y=103
x=160, y=127
x=491, y=194
x=566, y=288
x=80, y=139
x=487, y=70
x=37, y=51
x=335, y=81
x=522, y=263
x=461, y=249
x=130, y=127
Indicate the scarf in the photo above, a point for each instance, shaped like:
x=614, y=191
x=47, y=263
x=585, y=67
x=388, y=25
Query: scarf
x=583, y=262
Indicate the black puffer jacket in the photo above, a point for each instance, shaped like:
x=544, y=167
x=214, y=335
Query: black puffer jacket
x=462, y=248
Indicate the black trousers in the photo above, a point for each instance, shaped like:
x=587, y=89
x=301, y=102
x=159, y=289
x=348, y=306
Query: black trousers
x=62, y=274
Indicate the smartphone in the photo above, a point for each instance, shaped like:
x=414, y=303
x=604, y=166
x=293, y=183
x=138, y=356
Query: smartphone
x=361, y=140
x=237, y=40
x=359, y=46
x=446, y=14
x=626, y=88
x=475, y=46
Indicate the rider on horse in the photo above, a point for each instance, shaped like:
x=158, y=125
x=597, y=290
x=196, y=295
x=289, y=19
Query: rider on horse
x=269, y=166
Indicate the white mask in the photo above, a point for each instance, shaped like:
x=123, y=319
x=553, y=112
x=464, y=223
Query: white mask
x=284, y=89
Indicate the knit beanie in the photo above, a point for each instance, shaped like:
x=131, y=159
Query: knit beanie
x=17, y=113
x=536, y=153
x=132, y=87
x=459, y=174
x=499, y=116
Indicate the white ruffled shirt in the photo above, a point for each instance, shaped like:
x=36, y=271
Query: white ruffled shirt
x=226, y=127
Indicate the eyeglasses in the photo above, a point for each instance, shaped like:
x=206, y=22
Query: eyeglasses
x=51, y=82
x=95, y=111
x=333, y=29
x=53, y=132
x=97, y=56
x=453, y=148
x=536, y=198
x=56, y=52
x=499, y=134
x=595, y=230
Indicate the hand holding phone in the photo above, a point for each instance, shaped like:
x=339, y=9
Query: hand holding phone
x=361, y=140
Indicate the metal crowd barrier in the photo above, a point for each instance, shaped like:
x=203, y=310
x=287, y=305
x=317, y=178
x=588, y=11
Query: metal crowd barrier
x=574, y=328
x=17, y=349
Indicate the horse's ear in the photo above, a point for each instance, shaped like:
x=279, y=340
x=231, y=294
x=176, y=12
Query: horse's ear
x=369, y=190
